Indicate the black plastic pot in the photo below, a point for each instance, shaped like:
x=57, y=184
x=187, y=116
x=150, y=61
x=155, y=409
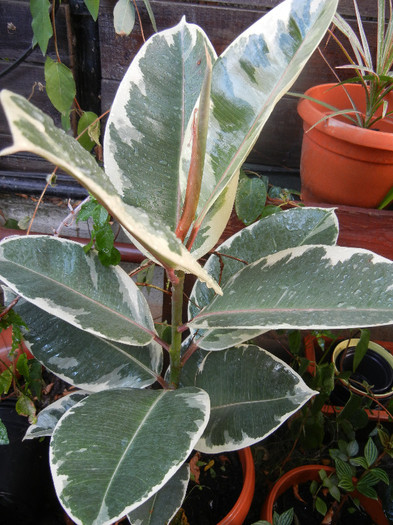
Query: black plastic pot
x=376, y=368
x=26, y=491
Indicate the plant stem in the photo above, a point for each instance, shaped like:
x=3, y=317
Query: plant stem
x=177, y=321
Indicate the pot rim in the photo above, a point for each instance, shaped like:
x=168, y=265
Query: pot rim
x=311, y=113
x=342, y=345
x=239, y=511
x=305, y=473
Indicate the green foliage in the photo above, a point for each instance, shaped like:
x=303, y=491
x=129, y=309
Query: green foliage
x=124, y=17
x=361, y=348
x=41, y=23
x=348, y=467
x=102, y=236
x=3, y=434
x=285, y=518
x=93, y=7
x=251, y=197
x=60, y=85
x=89, y=130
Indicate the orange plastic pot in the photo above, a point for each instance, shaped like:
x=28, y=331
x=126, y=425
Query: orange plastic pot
x=307, y=473
x=5, y=348
x=342, y=163
x=239, y=511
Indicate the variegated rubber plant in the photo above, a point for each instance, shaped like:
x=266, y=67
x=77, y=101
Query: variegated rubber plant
x=182, y=123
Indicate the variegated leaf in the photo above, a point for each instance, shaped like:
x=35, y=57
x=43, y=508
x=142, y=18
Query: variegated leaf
x=162, y=85
x=57, y=276
x=288, y=229
x=48, y=418
x=306, y=287
x=216, y=220
x=162, y=507
x=249, y=78
x=85, y=360
x=244, y=412
x=128, y=445
x=35, y=132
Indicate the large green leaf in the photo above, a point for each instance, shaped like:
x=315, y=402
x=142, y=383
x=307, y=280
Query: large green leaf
x=34, y=131
x=85, y=360
x=249, y=78
x=146, y=127
x=288, y=229
x=128, y=445
x=305, y=287
x=57, y=276
x=162, y=507
x=244, y=412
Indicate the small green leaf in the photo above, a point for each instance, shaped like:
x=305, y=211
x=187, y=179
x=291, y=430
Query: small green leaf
x=352, y=448
x=314, y=487
x=359, y=462
x=100, y=216
x=335, y=492
x=35, y=378
x=380, y=474
x=250, y=198
x=25, y=407
x=3, y=434
x=286, y=518
x=364, y=488
x=5, y=381
x=151, y=14
x=321, y=506
x=93, y=6
x=322, y=474
x=88, y=132
x=66, y=120
x=124, y=17
x=346, y=483
x=109, y=258
x=361, y=348
x=22, y=366
x=87, y=210
x=343, y=469
x=60, y=85
x=370, y=452
x=41, y=24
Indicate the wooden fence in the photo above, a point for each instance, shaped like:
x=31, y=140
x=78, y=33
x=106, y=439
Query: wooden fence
x=99, y=59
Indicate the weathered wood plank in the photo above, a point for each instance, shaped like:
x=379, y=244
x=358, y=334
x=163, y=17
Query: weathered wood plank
x=17, y=35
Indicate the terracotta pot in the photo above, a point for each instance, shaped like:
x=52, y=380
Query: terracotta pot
x=239, y=511
x=5, y=348
x=309, y=473
x=342, y=163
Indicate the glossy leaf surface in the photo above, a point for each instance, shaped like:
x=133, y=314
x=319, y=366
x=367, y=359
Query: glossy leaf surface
x=245, y=411
x=113, y=463
x=34, y=131
x=86, y=360
x=163, y=84
x=249, y=78
x=48, y=418
x=306, y=287
x=291, y=228
x=162, y=507
x=57, y=276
